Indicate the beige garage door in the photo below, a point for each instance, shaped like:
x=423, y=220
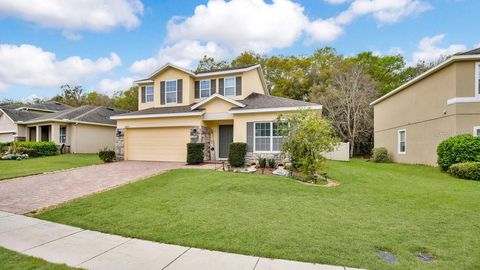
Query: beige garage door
x=158, y=144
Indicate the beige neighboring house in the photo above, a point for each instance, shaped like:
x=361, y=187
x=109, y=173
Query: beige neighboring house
x=413, y=119
x=85, y=129
x=217, y=107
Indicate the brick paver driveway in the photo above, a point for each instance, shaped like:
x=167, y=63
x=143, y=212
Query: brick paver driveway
x=26, y=194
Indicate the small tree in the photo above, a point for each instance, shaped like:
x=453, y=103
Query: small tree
x=307, y=138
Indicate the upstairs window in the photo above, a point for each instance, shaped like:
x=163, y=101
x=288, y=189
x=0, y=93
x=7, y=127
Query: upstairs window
x=402, y=141
x=147, y=93
x=171, y=91
x=205, y=88
x=230, y=86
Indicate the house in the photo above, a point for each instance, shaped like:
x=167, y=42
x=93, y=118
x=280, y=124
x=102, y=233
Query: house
x=444, y=101
x=218, y=107
x=85, y=129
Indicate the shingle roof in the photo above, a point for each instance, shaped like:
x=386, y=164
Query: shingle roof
x=163, y=110
x=50, y=105
x=16, y=115
x=223, y=69
x=87, y=113
x=471, y=52
x=259, y=101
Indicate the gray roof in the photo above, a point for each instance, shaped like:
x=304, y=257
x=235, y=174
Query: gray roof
x=471, y=52
x=223, y=69
x=163, y=110
x=17, y=115
x=87, y=113
x=50, y=105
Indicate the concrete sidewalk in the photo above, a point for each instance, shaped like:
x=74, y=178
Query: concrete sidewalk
x=93, y=250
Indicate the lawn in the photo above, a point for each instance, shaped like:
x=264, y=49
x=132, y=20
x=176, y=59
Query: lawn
x=16, y=168
x=403, y=209
x=12, y=260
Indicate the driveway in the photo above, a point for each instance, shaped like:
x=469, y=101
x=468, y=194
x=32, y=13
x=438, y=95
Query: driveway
x=31, y=193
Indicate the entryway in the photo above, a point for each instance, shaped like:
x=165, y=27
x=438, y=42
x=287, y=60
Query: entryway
x=225, y=138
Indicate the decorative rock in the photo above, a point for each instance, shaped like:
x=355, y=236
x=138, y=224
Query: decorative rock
x=387, y=256
x=280, y=171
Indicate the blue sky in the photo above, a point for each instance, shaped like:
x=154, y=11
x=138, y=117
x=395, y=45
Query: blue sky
x=105, y=45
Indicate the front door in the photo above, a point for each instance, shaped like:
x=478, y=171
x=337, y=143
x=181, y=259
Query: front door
x=225, y=138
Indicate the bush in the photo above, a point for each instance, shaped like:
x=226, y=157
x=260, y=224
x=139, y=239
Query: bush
x=262, y=162
x=195, y=153
x=466, y=170
x=380, y=154
x=4, y=147
x=43, y=148
x=236, y=154
x=107, y=155
x=31, y=152
x=272, y=163
x=458, y=149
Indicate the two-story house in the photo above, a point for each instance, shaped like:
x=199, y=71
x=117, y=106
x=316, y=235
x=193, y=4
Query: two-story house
x=218, y=107
x=444, y=101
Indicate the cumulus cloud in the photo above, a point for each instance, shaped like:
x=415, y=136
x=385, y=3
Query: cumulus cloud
x=29, y=65
x=93, y=15
x=109, y=86
x=184, y=53
x=429, y=50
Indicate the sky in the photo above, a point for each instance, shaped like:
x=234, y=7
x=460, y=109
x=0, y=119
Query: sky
x=105, y=45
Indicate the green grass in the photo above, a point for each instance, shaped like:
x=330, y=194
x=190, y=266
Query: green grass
x=16, y=168
x=10, y=260
x=400, y=208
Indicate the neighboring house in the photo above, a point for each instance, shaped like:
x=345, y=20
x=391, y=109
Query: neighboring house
x=217, y=107
x=10, y=115
x=413, y=119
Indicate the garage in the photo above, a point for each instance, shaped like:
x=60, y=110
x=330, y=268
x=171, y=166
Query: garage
x=157, y=144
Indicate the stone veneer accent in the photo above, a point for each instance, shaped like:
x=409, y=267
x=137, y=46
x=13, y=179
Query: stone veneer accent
x=202, y=134
x=251, y=157
x=120, y=144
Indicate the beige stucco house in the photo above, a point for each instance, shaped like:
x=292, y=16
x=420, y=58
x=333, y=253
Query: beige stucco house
x=85, y=129
x=413, y=119
x=178, y=106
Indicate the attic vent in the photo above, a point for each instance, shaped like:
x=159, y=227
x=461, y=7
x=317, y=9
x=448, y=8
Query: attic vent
x=111, y=109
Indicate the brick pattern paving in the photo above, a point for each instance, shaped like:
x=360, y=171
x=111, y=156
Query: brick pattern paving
x=31, y=193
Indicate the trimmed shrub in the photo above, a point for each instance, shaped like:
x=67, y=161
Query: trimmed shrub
x=262, y=162
x=236, y=154
x=107, y=155
x=4, y=146
x=458, y=149
x=195, y=153
x=31, y=152
x=272, y=163
x=380, y=154
x=466, y=170
x=43, y=148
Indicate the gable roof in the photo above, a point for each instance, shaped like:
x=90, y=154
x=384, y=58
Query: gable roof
x=258, y=102
x=471, y=52
x=51, y=106
x=225, y=69
x=171, y=111
x=84, y=114
x=215, y=96
x=16, y=115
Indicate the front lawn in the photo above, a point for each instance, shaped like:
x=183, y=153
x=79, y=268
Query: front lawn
x=10, y=260
x=403, y=209
x=17, y=168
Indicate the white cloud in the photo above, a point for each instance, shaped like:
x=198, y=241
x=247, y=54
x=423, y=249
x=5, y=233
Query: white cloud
x=93, y=15
x=184, y=53
x=109, y=86
x=70, y=35
x=324, y=31
x=28, y=65
x=429, y=51
x=336, y=2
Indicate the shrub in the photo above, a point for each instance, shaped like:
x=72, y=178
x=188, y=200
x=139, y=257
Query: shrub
x=380, y=154
x=466, y=170
x=31, y=152
x=458, y=149
x=195, y=153
x=43, y=148
x=236, y=154
x=4, y=147
x=272, y=163
x=107, y=155
x=262, y=162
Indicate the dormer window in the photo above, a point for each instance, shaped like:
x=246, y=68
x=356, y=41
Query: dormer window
x=205, y=88
x=230, y=87
x=147, y=93
x=171, y=91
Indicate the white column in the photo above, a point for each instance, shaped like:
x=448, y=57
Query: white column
x=38, y=134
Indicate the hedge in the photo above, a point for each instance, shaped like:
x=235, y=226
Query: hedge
x=107, y=155
x=380, y=155
x=43, y=148
x=466, y=170
x=458, y=149
x=236, y=154
x=195, y=153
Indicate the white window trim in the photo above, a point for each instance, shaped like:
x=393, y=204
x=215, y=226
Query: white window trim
x=398, y=141
x=60, y=134
x=271, y=138
x=234, y=86
x=176, y=91
x=153, y=94
x=477, y=77
x=475, y=128
x=209, y=88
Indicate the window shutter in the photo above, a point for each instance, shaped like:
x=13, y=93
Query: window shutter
x=213, y=86
x=162, y=92
x=179, y=90
x=143, y=94
x=220, y=86
x=197, y=89
x=250, y=141
x=238, y=86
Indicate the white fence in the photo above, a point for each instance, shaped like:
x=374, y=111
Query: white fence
x=342, y=152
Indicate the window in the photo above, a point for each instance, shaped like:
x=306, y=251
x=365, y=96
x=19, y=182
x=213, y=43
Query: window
x=268, y=137
x=147, y=93
x=204, y=88
x=171, y=91
x=230, y=86
x=63, y=134
x=476, y=131
x=477, y=78
x=402, y=141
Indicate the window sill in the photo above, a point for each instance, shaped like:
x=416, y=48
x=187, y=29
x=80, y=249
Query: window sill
x=463, y=100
